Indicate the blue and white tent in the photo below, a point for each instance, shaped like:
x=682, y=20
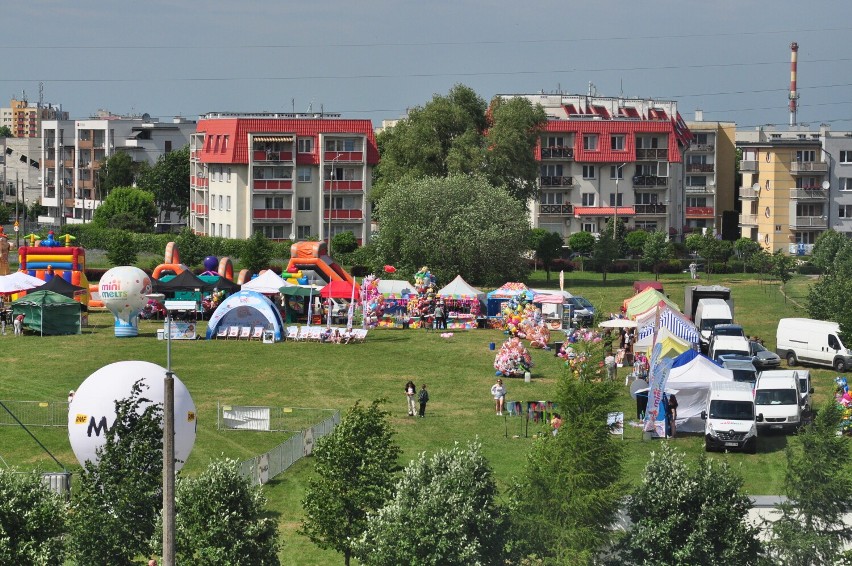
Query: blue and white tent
x=246, y=308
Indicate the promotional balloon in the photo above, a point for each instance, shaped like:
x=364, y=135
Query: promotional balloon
x=123, y=291
x=91, y=412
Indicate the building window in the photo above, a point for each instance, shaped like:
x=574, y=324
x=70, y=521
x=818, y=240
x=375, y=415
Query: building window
x=227, y=230
x=612, y=199
x=616, y=172
x=228, y=175
x=590, y=142
x=696, y=201
x=845, y=183
x=225, y=143
x=551, y=170
x=807, y=183
x=806, y=237
x=168, y=146
x=213, y=229
x=340, y=144
x=845, y=211
x=304, y=204
x=588, y=227
x=846, y=156
x=697, y=160
x=221, y=199
x=276, y=203
x=554, y=141
x=646, y=226
x=303, y=232
x=220, y=173
x=551, y=198
x=616, y=143
x=700, y=139
x=696, y=181
x=777, y=227
x=805, y=155
x=305, y=145
x=304, y=174
x=228, y=203
x=212, y=202
x=646, y=198
x=808, y=210
x=588, y=199
x=646, y=169
x=588, y=171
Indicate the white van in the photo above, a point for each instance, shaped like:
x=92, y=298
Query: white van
x=776, y=397
x=731, y=423
x=728, y=345
x=709, y=313
x=812, y=341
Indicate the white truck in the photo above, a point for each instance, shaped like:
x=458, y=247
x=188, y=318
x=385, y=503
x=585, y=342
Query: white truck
x=730, y=418
x=728, y=345
x=776, y=397
x=812, y=341
x=709, y=313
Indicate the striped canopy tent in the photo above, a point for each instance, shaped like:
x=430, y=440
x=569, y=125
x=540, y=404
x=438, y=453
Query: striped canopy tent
x=645, y=300
x=662, y=315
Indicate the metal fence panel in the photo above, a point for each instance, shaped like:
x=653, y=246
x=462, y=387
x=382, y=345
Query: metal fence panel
x=269, y=419
x=35, y=413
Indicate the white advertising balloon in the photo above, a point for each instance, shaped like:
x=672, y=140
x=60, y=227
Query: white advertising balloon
x=92, y=410
x=123, y=291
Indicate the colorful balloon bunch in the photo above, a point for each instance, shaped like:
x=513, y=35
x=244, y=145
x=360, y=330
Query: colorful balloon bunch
x=512, y=358
x=373, y=301
x=424, y=281
x=519, y=316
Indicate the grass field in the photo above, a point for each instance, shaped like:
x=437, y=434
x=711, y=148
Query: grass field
x=458, y=372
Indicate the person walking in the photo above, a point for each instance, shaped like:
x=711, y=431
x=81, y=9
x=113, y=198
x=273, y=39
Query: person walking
x=423, y=397
x=19, y=325
x=2, y=318
x=498, y=391
x=439, y=317
x=410, y=394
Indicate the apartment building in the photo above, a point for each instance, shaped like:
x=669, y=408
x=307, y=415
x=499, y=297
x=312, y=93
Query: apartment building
x=20, y=170
x=74, y=150
x=837, y=147
x=710, y=174
x=605, y=157
x=290, y=176
x=24, y=118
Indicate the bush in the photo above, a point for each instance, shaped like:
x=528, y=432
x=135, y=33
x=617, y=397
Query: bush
x=562, y=265
x=808, y=268
x=670, y=267
x=721, y=268
x=359, y=271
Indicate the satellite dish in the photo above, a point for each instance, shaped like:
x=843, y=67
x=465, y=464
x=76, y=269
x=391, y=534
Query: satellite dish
x=826, y=185
x=756, y=187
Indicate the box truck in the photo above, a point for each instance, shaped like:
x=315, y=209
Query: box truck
x=693, y=294
x=812, y=341
x=709, y=313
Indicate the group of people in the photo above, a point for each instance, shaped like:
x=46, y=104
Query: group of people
x=413, y=398
x=432, y=312
x=335, y=336
x=6, y=317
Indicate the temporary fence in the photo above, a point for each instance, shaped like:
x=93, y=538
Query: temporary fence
x=35, y=413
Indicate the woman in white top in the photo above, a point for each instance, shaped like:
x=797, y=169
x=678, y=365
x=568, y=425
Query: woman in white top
x=498, y=391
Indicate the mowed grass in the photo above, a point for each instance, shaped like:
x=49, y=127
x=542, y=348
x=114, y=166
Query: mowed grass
x=458, y=372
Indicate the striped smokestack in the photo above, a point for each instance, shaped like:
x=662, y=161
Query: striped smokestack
x=794, y=94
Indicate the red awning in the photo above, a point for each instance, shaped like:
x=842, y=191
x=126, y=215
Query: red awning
x=602, y=211
x=340, y=290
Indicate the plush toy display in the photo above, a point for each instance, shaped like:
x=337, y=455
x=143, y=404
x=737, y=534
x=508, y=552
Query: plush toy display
x=513, y=358
x=372, y=300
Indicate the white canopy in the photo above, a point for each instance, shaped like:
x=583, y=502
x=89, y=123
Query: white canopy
x=18, y=281
x=458, y=288
x=693, y=380
x=388, y=287
x=267, y=283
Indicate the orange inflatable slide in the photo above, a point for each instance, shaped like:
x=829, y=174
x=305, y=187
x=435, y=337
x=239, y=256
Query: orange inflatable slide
x=312, y=259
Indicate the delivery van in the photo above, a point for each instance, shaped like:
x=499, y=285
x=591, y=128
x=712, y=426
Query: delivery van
x=812, y=341
x=776, y=397
x=728, y=345
x=730, y=418
x=709, y=313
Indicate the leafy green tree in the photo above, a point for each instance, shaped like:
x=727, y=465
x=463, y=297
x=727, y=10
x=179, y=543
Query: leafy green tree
x=35, y=210
x=118, y=170
x=122, y=251
x=782, y=268
x=745, y=248
x=257, y=252
x=168, y=180
x=581, y=242
x=356, y=469
x=443, y=513
x=126, y=206
x=826, y=247
x=811, y=528
x=828, y=297
x=118, y=500
x=699, y=515
x=344, y=243
x=421, y=225
x=220, y=518
x=694, y=241
x=192, y=247
x=547, y=246
x=5, y=214
x=656, y=250
x=635, y=241
x=566, y=500
x=605, y=252
x=5, y=132
x=32, y=520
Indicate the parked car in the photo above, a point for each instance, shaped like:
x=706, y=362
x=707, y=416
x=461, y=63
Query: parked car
x=724, y=329
x=763, y=358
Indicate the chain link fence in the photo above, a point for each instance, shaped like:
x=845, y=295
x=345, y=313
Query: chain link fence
x=35, y=413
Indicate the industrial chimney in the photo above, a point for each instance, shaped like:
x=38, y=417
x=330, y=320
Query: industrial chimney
x=794, y=94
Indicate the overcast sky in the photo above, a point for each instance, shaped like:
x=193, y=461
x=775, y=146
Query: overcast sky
x=375, y=58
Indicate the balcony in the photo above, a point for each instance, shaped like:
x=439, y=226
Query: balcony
x=700, y=189
x=559, y=209
x=702, y=147
x=797, y=167
x=801, y=249
x=650, y=209
x=85, y=144
x=272, y=214
x=797, y=222
x=748, y=193
x=748, y=166
x=556, y=181
x=557, y=152
x=700, y=212
x=700, y=167
x=343, y=214
x=330, y=185
x=650, y=182
x=198, y=209
x=343, y=156
x=652, y=154
x=748, y=219
x=272, y=156
x=809, y=193
x=272, y=185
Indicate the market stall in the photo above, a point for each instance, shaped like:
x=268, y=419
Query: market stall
x=499, y=298
x=395, y=294
x=463, y=304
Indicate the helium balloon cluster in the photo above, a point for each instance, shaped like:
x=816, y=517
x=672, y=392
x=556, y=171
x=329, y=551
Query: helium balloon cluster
x=373, y=302
x=512, y=358
x=844, y=399
x=424, y=281
x=519, y=315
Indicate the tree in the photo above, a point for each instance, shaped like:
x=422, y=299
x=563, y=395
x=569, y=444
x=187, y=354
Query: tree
x=566, y=500
x=826, y=247
x=656, y=250
x=36, y=209
x=355, y=474
x=118, y=170
x=126, y=206
x=698, y=515
x=547, y=246
x=605, y=252
x=693, y=242
x=745, y=248
x=812, y=529
x=635, y=241
x=168, y=180
x=344, y=243
x=32, y=520
x=122, y=251
x=116, y=505
x=191, y=247
x=5, y=213
x=421, y=224
x=257, y=252
x=220, y=519
x=782, y=268
x=5, y=132
x=828, y=297
x=444, y=512
x=581, y=242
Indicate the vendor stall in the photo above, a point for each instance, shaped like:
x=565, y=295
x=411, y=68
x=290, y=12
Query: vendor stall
x=462, y=303
x=395, y=296
x=498, y=298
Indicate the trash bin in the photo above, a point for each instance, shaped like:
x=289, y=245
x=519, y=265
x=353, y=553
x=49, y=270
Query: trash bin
x=491, y=346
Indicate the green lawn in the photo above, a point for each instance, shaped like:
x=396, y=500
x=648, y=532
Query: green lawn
x=458, y=372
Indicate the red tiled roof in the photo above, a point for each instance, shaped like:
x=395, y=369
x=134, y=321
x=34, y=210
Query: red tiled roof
x=604, y=128
x=602, y=211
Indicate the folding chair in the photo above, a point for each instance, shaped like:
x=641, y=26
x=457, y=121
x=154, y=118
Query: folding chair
x=359, y=334
x=257, y=333
x=222, y=332
x=245, y=332
x=292, y=333
x=303, y=333
x=233, y=332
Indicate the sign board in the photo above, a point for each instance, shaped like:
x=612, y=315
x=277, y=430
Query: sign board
x=179, y=330
x=567, y=315
x=615, y=424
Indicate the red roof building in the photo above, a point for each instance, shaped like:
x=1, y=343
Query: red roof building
x=290, y=176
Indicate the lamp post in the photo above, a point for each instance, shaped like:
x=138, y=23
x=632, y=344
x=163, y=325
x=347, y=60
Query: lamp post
x=619, y=171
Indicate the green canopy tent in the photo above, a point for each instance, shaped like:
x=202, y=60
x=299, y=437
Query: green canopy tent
x=296, y=291
x=49, y=313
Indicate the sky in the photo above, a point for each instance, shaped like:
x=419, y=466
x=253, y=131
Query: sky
x=374, y=59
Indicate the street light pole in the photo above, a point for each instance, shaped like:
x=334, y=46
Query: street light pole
x=619, y=171
x=169, y=452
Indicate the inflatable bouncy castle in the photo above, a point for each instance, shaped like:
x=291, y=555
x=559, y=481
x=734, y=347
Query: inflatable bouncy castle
x=56, y=258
